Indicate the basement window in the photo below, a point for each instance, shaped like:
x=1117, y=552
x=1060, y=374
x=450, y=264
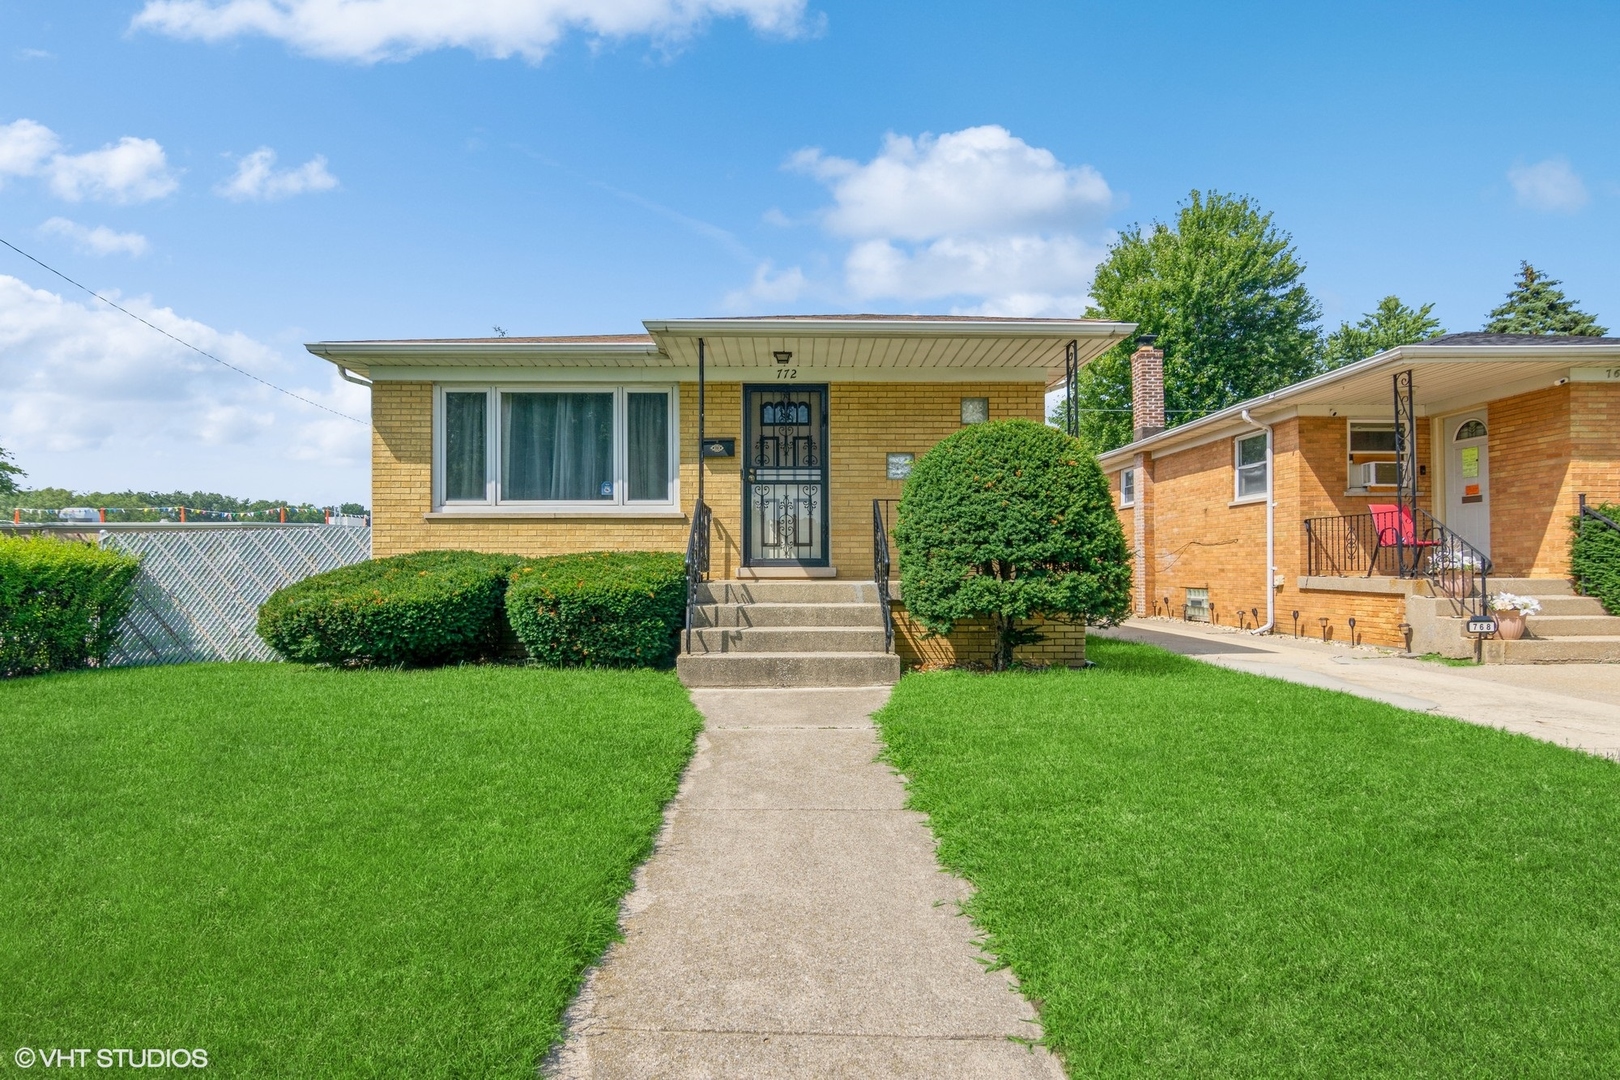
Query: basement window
x=1196, y=609
x=585, y=448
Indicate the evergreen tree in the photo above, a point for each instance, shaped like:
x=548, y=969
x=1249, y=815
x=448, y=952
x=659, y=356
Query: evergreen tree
x=1536, y=305
x=1221, y=287
x=1391, y=324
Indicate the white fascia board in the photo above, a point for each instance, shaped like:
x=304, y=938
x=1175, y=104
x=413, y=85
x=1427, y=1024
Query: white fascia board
x=761, y=375
x=363, y=356
x=789, y=326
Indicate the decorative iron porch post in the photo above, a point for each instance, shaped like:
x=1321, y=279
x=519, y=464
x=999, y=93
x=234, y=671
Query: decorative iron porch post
x=1406, y=472
x=700, y=422
x=1071, y=372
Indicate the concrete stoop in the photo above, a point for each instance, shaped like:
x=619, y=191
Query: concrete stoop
x=1569, y=629
x=787, y=633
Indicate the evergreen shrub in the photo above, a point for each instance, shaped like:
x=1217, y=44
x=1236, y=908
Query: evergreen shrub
x=1594, y=557
x=1006, y=521
x=60, y=603
x=599, y=609
x=417, y=610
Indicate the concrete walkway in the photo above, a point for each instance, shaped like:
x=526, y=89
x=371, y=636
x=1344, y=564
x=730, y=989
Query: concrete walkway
x=793, y=921
x=1575, y=705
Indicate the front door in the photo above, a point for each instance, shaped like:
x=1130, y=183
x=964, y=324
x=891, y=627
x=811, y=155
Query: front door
x=785, y=476
x=1468, y=479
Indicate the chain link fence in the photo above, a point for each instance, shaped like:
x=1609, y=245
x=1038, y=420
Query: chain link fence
x=198, y=593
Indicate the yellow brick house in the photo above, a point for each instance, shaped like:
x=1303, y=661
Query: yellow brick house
x=793, y=434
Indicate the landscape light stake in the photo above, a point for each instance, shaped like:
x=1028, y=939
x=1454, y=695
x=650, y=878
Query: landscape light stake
x=1324, y=623
x=1167, y=607
x=1352, y=622
x=1256, y=613
x=1406, y=631
x=1296, y=624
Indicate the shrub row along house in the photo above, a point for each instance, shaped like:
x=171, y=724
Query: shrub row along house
x=1396, y=492
x=773, y=448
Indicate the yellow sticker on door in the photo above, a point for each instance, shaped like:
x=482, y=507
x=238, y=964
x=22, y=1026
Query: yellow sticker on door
x=1470, y=463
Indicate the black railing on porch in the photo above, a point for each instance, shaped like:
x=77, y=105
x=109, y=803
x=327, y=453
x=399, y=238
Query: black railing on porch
x=1590, y=513
x=1400, y=546
x=697, y=561
x=880, y=566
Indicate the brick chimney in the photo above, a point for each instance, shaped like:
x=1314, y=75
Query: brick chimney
x=1147, y=388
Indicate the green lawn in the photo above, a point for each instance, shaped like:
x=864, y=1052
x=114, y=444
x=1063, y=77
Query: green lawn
x=322, y=873
x=1197, y=872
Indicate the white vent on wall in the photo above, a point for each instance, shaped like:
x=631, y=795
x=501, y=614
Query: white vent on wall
x=1380, y=473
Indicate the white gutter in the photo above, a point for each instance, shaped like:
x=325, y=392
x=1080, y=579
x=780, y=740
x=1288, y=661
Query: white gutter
x=1271, y=528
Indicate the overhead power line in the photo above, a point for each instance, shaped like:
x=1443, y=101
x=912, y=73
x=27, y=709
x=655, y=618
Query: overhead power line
x=171, y=337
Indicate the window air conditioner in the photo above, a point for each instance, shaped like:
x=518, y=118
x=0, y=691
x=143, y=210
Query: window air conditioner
x=1380, y=474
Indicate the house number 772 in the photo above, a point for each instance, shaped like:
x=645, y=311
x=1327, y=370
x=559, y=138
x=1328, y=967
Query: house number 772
x=787, y=373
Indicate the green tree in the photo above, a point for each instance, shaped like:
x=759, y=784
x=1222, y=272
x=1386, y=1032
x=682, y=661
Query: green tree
x=1006, y=521
x=1536, y=305
x=1392, y=323
x=1221, y=288
x=8, y=474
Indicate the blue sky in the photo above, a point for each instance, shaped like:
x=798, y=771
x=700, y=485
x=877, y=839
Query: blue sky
x=436, y=170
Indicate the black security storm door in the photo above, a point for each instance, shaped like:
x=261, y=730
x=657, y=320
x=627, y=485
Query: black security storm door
x=785, y=476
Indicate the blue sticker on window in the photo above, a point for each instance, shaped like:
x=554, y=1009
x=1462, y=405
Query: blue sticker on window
x=607, y=489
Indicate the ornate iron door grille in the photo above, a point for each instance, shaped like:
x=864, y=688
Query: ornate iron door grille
x=785, y=476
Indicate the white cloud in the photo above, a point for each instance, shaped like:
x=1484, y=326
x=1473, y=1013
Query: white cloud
x=129, y=171
x=257, y=179
x=769, y=287
x=89, y=398
x=97, y=241
x=24, y=147
x=977, y=220
x=977, y=181
x=1548, y=185
x=372, y=30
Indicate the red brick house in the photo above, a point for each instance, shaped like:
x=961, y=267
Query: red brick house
x=1395, y=491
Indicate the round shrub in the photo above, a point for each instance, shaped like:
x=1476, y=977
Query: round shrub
x=1006, y=521
x=431, y=607
x=60, y=603
x=602, y=609
x=1594, y=557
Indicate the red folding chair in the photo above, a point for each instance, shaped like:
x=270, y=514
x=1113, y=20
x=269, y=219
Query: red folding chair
x=1395, y=528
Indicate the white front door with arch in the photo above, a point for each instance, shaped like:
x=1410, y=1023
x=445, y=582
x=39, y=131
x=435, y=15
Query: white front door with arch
x=1468, y=479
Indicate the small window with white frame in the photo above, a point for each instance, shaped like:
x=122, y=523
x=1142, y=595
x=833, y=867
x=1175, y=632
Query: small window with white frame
x=1249, y=456
x=539, y=447
x=1127, y=487
x=1373, y=465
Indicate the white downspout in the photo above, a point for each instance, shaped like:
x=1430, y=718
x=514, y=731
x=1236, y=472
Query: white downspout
x=1271, y=529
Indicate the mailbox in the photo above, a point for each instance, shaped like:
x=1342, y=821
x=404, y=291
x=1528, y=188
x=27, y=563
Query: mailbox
x=719, y=448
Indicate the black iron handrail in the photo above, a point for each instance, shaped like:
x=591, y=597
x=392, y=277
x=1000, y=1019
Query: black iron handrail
x=697, y=561
x=1359, y=545
x=1591, y=513
x=880, y=568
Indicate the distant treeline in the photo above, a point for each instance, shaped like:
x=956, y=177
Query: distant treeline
x=41, y=503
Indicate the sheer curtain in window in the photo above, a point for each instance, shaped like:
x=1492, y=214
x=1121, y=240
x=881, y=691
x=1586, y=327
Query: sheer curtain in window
x=557, y=447
x=649, y=445
x=465, y=443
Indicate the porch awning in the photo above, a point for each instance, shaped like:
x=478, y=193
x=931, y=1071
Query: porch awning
x=866, y=347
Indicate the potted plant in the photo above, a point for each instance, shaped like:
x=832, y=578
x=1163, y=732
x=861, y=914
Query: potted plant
x=1510, y=610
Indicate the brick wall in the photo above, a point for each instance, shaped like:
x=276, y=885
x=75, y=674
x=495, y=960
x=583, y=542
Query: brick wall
x=972, y=643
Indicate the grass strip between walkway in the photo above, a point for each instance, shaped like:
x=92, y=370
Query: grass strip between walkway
x=1195, y=871
x=322, y=873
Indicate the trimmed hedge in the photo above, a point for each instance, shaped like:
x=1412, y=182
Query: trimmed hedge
x=602, y=609
x=1594, y=558
x=430, y=607
x=60, y=604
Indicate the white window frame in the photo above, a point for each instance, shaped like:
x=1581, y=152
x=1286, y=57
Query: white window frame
x=1354, y=458
x=621, y=503
x=1127, y=499
x=1264, y=464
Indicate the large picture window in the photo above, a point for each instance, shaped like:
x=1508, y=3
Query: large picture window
x=554, y=447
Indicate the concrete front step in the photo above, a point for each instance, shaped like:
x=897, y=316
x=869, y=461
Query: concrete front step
x=1532, y=586
x=757, y=615
x=1568, y=605
x=787, y=592
x=738, y=670
x=1560, y=650
x=788, y=639
x=1563, y=626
